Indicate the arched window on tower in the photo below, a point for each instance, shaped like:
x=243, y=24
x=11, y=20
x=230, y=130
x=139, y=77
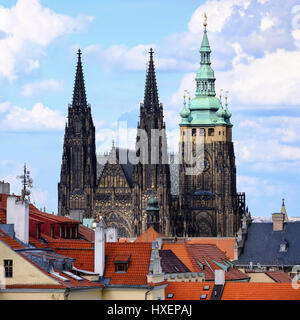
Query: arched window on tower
x=211, y=132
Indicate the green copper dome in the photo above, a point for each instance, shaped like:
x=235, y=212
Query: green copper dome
x=185, y=112
x=152, y=204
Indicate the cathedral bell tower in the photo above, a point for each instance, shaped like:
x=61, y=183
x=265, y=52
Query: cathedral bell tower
x=207, y=174
x=78, y=170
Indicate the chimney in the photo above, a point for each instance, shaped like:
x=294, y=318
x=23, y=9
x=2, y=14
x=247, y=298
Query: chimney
x=219, y=277
x=99, y=259
x=4, y=187
x=278, y=220
x=18, y=215
x=111, y=234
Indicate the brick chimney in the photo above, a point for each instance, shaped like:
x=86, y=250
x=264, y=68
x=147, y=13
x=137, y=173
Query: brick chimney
x=99, y=259
x=17, y=213
x=278, y=220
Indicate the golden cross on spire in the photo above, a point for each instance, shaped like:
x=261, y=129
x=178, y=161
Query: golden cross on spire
x=205, y=20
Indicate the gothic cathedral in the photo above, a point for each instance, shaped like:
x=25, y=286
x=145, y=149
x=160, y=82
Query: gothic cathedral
x=178, y=199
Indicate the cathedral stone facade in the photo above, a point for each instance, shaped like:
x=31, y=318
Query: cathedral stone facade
x=191, y=198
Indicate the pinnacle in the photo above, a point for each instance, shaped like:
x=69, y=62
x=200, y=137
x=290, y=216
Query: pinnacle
x=151, y=100
x=79, y=94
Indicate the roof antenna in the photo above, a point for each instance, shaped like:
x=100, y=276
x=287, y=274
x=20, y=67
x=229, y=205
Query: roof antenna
x=27, y=183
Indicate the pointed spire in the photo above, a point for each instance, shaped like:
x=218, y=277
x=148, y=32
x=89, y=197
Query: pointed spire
x=79, y=95
x=205, y=78
x=151, y=100
x=283, y=211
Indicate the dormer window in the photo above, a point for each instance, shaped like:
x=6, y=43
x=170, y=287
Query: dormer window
x=121, y=263
x=283, y=246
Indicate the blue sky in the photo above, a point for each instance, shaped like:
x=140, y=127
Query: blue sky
x=255, y=56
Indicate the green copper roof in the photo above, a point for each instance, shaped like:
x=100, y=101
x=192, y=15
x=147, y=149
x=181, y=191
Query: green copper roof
x=205, y=47
x=152, y=204
x=205, y=109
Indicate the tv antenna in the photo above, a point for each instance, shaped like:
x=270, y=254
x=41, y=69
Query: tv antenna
x=27, y=184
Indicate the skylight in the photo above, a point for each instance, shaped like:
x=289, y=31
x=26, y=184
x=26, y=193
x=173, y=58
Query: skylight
x=170, y=295
x=203, y=296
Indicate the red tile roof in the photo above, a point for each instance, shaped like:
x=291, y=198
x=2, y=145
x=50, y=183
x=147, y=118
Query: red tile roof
x=181, y=252
x=87, y=233
x=188, y=290
x=279, y=276
x=13, y=244
x=259, y=291
x=149, y=235
x=224, y=244
x=138, y=267
x=206, y=254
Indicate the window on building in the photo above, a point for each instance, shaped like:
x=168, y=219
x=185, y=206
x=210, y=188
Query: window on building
x=211, y=132
x=8, y=268
x=194, y=132
x=38, y=231
x=121, y=263
x=203, y=296
x=170, y=295
x=121, y=267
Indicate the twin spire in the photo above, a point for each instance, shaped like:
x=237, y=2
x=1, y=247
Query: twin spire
x=151, y=100
x=79, y=94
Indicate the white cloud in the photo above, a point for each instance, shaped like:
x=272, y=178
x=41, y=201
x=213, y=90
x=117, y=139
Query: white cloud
x=273, y=79
x=218, y=13
x=4, y=106
x=39, y=118
x=268, y=22
x=258, y=187
x=32, y=65
x=29, y=25
x=135, y=58
x=40, y=87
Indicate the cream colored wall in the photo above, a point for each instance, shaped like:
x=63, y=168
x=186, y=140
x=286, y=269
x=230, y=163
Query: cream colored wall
x=31, y=296
x=95, y=294
x=157, y=293
x=225, y=136
x=259, y=277
x=123, y=294
x=23, y=271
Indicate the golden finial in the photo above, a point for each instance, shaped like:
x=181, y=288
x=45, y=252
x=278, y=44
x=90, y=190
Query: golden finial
x=221, y=94
x=226, y=96
x=205, y=20
x=153, y=187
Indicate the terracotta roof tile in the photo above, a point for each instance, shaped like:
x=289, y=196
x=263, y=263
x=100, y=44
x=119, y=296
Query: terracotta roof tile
x=138, y=267
x=149, y=235
x=181, y=252
x=188, y=290
x=224, y=244
x=170, y=262
x=13, y=244
x=279, y=276
x=259, y=291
